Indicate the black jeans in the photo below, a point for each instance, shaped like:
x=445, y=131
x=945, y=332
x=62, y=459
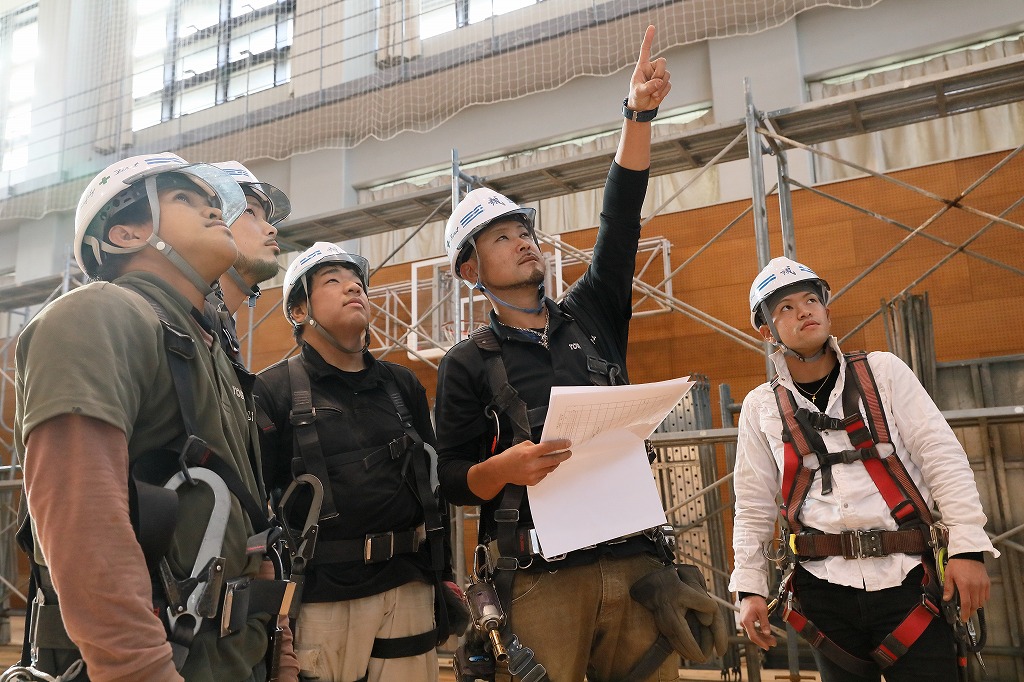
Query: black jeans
x=858, y=620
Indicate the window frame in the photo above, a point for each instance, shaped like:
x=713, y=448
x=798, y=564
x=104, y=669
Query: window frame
x=177, y=85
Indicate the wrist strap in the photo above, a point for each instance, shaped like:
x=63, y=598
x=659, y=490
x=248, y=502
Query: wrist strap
x=638, y=116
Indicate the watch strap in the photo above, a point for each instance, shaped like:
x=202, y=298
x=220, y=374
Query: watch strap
x=638, y=116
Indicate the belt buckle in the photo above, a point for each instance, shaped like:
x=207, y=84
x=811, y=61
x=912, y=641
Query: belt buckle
x=862, y=544
x=378, y=547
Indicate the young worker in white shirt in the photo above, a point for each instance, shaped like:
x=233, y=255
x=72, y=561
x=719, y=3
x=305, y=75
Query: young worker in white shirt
x=859, y=517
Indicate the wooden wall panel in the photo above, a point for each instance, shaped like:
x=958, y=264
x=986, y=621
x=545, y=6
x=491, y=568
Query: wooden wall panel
x=976, y=306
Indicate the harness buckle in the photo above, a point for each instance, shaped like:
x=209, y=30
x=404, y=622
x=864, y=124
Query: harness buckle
x=861, y=544
x=397, y=447
x=378, y=547
x=302, y=418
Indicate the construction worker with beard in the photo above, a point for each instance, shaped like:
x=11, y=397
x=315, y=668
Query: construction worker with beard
x=574, y=613
x=146, y=516
x=862, y=457
x=255, y=233
x=351, y=437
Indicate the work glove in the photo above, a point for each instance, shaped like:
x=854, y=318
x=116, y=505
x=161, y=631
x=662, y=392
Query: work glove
x=457, y=607
x=683, y=611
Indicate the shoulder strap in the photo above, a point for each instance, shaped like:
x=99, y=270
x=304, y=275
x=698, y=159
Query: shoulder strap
x=307, y=442
x=796, y=478
x=432, y=516
x=504, y=398
x=905, y=501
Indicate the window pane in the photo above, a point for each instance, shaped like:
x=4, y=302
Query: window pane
x=197, y=15
x=22, y=84
x=503, y=6
x=198, y=62
x=198, y=98
x=146, y=115
x=240, y=7
x=261, y=78
x=147, y=82
x=24, y=44
x=253, y=43
x=16, y=157
x=263, y=40
x=149, y=8
x=437, y=22
x=19, y=123
x=284, y=37
x=151, y=36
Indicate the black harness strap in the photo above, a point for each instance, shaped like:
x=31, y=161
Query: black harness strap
x=303, y=419
x=433, y=518
x=382, y=546
x=401, y=647
x=505, y=400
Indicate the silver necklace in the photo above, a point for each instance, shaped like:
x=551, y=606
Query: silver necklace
x=543, y=334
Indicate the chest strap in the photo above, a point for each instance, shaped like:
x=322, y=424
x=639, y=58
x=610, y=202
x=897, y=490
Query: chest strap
x=872, y=446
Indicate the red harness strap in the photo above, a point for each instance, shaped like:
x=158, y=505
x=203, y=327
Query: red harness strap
x=905, y=502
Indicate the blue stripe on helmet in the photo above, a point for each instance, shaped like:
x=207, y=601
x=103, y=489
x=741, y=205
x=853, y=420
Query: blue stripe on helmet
x=472, y=214
x=767, y=280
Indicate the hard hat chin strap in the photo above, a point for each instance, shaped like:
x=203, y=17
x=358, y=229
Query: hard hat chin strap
x=327, y=336
x=337, y=344
x=479, y=286
x=490, y=294
x=786, y=349
x=205, y=288
x=251, y=293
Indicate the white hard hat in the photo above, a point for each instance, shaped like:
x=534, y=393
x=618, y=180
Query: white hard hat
x=476, y=211
x=319, y=253
x=779, y=274
x=275, y=203
x=122, y=184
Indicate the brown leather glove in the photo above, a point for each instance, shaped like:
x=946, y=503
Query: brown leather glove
x=683, y=611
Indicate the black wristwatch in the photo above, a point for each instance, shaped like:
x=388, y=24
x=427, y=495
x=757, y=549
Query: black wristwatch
x=638, y=116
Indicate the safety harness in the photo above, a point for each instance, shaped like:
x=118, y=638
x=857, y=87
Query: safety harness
x=516, y=543
x=204, y=600
x=310, y=466
x=872, y=446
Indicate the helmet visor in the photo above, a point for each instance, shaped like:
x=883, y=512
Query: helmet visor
x=276, y=204
x=222, y=189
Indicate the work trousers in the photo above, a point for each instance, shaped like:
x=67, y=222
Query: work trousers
x=858, y=620
x=581, y=621
x=333, y=640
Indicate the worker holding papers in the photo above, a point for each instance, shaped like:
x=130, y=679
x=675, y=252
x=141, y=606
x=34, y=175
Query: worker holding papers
x=580, y=568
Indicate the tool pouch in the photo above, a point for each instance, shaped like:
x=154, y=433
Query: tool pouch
x=683, y=611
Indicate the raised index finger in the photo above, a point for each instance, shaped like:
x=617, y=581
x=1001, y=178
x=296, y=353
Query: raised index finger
x=645, y=48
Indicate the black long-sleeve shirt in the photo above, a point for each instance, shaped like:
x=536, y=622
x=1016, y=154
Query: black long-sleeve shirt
x=599, y=305
x=354, y=412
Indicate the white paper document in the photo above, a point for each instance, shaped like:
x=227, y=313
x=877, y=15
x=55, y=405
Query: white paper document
x=606, y=489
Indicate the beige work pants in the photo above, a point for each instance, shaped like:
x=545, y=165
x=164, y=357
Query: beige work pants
x=333, y=639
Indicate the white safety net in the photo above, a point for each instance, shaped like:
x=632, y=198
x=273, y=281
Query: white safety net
x=246, y=79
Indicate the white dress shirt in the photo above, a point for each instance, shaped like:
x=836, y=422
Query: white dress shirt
x=924, y=442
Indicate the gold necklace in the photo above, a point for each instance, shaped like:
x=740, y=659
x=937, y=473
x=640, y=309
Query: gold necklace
x=543, y=335
x=824, y=380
